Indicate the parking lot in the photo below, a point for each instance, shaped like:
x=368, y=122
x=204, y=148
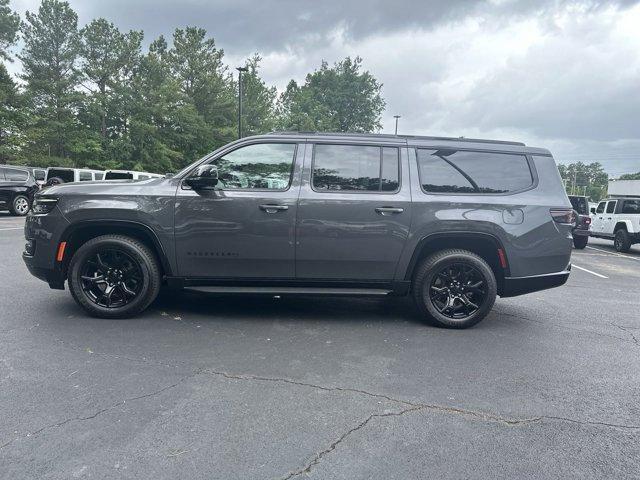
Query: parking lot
x=209, y=387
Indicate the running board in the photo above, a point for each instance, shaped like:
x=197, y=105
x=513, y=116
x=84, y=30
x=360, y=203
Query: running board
x=362, y=292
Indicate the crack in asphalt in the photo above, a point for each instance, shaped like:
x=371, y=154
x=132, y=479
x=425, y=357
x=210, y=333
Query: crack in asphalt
x=318, y=457
x=566, y=327
x=636, y=340
x=103, y=410
x=413, y=405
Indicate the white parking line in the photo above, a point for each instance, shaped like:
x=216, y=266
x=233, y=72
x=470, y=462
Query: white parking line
x=13, y=228
x=588, y=271
x=613, y=253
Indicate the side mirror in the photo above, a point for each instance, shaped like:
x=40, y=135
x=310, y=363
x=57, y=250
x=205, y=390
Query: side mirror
x=204, y=178
x=593, y=209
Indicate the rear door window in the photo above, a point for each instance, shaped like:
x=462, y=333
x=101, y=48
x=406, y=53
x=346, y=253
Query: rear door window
x=15, y=175
x=460, y=171
x=85, y=176
x=355, y=168
x=611, y=206
x=631, y=206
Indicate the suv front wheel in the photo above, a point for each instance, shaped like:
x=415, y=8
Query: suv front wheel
x=114, y=276
x=454, y=288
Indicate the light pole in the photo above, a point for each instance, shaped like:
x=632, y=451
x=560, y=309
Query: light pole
x=396, y=117
x=240, y=70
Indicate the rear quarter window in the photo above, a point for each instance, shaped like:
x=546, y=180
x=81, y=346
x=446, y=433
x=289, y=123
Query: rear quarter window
x=14, y=175
x=462, y=171
x=631, y=206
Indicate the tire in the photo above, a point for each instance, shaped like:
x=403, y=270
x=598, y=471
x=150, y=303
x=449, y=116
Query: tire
x=580, y=242
x=429, y=278
x=621, y=241
x=20, y=205
x=54, y=181
x=126, y=266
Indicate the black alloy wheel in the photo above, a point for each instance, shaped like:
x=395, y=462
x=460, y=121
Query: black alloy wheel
x=114, y=276
x=458, y=291
x=454, y=288
x=111, y=278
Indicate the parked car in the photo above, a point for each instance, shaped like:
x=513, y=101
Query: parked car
x=17, y=187
x=129, y=175
x=618, y=219
x=583, y=222
x=451, y=222
x=58, y=175
x=38, y=174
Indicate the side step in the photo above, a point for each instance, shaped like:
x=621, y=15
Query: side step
x=330, y=291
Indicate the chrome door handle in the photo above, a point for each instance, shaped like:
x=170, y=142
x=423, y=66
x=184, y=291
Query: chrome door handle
x=273, y=208
x=389, y=210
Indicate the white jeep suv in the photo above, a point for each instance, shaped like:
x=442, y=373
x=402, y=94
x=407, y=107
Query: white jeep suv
x=617, y=219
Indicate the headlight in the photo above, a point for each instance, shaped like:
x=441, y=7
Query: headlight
x=42, y=205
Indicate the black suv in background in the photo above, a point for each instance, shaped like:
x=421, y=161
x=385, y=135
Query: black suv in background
x=451, y=222
x=17, y=187
x=583, y=222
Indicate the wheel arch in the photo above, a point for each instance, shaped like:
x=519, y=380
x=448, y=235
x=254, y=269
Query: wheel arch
x=78, y=233
x=485, y=245
x=623, y=225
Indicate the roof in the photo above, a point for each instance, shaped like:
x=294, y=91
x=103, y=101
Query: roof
x=399, y=137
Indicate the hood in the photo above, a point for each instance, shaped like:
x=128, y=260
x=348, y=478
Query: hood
x=101, y=187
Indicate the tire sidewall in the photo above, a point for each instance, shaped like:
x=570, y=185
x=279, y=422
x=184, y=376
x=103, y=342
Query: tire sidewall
x=437, y=266
x=621, y=241
x=75, y=282
x=580, y=242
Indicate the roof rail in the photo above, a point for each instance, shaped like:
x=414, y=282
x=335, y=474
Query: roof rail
x=406, y=137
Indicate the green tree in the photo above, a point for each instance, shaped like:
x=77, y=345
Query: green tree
x=588, y=179
x=12, y=118
x=339, y=98
x=49, y=60
x=11, y=111
x=258, y=101
x=197, y=65
x=630, y=176
x=108, y=58
x=9, y=25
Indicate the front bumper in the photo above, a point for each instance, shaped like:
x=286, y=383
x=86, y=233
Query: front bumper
x=514, y=286
x=54, y=277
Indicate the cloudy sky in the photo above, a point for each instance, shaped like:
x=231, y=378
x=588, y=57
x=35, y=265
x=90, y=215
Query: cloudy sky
x=559, y=74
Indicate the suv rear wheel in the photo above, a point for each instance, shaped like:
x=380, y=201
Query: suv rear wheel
x=454, y=288
x=114, y=276
x=20, y=205
x=621, y=241
x=580, y=242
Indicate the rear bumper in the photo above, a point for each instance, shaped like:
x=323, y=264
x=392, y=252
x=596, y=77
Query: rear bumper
x=514, y=286
x=580, y=232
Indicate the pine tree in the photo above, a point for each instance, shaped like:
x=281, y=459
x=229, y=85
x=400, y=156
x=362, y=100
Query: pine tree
x=49, y=59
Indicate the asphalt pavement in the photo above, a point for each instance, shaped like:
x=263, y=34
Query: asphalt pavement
x=215, y=387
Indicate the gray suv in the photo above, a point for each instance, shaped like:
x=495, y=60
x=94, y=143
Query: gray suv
x=451, y=222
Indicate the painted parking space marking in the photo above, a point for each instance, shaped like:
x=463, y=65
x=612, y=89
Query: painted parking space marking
x=12, y=228
x=614, y=253
x=588, y=271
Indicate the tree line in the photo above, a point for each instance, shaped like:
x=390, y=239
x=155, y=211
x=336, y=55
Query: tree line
x=93, y=96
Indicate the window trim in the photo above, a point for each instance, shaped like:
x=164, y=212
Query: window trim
x=369, y=192
x=528, y=158
x=212, y=158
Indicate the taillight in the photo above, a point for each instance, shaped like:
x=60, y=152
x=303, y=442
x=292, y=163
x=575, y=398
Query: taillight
x=565, y=216
x=587, y=220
